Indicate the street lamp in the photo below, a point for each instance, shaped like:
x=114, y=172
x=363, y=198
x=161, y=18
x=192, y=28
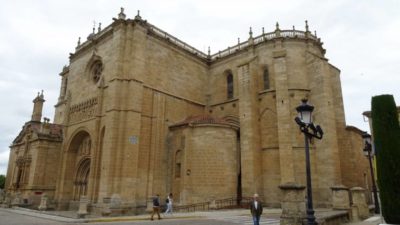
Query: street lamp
x=368, y=153
x=304, y=120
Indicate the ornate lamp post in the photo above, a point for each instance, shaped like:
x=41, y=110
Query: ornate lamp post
x=304, y=120
x=368, y=153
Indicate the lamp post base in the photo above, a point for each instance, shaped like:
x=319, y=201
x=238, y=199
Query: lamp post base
x=311, y=217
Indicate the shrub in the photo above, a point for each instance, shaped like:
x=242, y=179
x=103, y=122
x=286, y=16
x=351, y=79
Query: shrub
x=2, y=181
x=386, y=133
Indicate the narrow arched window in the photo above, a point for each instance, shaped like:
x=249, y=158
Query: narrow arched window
x=229, y=85
x=266, y=79
x=178, y=163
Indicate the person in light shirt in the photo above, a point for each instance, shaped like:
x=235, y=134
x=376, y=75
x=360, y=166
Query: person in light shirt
x=256, y=209
x=169, y=205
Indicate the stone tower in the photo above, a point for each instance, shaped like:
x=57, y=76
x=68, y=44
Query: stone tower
x=38, y=107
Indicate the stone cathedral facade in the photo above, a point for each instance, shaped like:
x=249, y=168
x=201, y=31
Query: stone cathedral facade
x=141, y=112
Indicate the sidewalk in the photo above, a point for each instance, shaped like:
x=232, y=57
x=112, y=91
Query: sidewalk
x=71, y=217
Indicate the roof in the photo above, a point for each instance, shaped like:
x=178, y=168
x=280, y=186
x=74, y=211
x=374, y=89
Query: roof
x=201, y=119
x=49, y=131
x=354, y=129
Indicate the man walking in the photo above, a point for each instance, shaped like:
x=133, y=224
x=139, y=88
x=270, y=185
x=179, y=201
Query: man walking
x=156, y=207
x=256, y=209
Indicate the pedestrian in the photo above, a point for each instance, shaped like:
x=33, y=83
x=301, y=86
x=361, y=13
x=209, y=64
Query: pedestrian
x=256, y=209
x=169, y=204
x=156, y=206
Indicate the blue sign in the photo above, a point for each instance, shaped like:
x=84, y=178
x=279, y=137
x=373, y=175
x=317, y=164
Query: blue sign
x=133, y=139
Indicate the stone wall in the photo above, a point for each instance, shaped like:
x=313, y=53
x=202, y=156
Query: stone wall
x=204, y=168
x=33, y=164
x=355, y=166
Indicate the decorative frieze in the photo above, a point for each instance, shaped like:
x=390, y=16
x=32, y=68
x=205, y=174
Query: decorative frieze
x=23, y=161
x=82, y=111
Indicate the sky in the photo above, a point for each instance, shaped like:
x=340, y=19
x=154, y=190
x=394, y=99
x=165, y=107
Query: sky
x=361, y=38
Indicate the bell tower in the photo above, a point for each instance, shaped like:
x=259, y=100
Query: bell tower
x=38, y=107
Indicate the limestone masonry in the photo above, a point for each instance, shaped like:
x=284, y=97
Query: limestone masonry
x=141, y=112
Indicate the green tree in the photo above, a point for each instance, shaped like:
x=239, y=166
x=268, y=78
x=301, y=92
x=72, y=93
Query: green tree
x=2, y=181
x=386, y=132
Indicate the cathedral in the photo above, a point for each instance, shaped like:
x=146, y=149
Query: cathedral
x=141, y=113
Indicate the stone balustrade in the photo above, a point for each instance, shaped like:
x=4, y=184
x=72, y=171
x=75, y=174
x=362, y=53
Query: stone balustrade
x=264, y=37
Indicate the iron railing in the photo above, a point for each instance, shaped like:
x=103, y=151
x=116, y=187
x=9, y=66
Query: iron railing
x=227, y=203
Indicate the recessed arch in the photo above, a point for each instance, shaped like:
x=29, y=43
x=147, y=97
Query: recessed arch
x=264, y=112
x=178, y=163
x=77, y=159
x=81, y=178
x=233, y=120
x=76, y=137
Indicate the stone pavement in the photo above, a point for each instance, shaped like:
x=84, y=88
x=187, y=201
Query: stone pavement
x=373, y=220
x=239, y=216
x=236, y=216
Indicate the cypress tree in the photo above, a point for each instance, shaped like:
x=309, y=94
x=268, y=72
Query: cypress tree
x=386, y=133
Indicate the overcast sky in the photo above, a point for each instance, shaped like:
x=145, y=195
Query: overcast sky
x=362, y=39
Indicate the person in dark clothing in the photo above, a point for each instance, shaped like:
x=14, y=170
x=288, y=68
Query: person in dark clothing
x=156, y=207
x=256, y=209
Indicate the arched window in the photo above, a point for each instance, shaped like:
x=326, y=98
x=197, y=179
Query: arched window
x=178, y=163
x=229, y=85
x=266, y=79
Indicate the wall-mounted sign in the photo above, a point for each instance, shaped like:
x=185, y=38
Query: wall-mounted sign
x=133, y=139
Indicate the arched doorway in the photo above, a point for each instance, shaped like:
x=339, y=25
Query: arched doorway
x=82, y=148
x=81, y=178
x=75, y=178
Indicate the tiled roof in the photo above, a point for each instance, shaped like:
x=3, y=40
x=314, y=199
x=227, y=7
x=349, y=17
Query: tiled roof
x=50, y=131
x=201, y=119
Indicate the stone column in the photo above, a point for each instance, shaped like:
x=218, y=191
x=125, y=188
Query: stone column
x=7, y=201
x=83, y=205
x=17, y=200
x=326, y=150
x=359, y=208
x=106, y=211
x=249, y=132
x=340, y=197
x=293, y=204
x=284, y=119
x=43, y=202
